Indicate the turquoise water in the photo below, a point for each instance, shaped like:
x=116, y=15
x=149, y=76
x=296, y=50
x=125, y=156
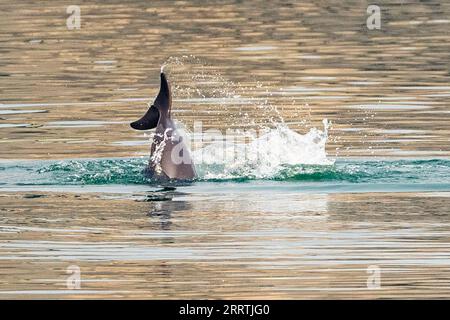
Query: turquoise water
x=125, y=174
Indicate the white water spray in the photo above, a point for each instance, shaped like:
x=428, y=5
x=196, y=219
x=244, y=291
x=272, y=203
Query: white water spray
x=263, y=145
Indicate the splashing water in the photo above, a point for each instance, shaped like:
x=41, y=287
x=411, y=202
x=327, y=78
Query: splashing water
x=264, y=157
x=235, y=105
x=159, y=148
x=261, y=156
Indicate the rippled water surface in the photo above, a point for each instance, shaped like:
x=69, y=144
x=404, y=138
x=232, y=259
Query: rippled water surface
x=354, y=177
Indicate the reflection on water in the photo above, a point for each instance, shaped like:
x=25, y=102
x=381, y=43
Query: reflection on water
x=234, y=64
x=311, y=60
x=191, y=246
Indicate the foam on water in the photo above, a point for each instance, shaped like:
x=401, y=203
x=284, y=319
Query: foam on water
x=264, y=157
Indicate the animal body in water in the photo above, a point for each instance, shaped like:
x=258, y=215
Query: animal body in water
x=170, y=158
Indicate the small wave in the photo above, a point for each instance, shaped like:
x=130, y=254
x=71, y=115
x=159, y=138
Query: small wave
x=126, y=171
x=92, y=172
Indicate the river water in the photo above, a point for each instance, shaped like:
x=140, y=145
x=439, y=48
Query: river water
x=344, y=131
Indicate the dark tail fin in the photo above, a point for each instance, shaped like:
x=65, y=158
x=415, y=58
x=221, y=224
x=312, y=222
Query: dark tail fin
x=161, y=105
x=164, y=99
x=148, y=121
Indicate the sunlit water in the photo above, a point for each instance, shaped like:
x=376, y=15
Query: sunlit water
x=351, y=171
